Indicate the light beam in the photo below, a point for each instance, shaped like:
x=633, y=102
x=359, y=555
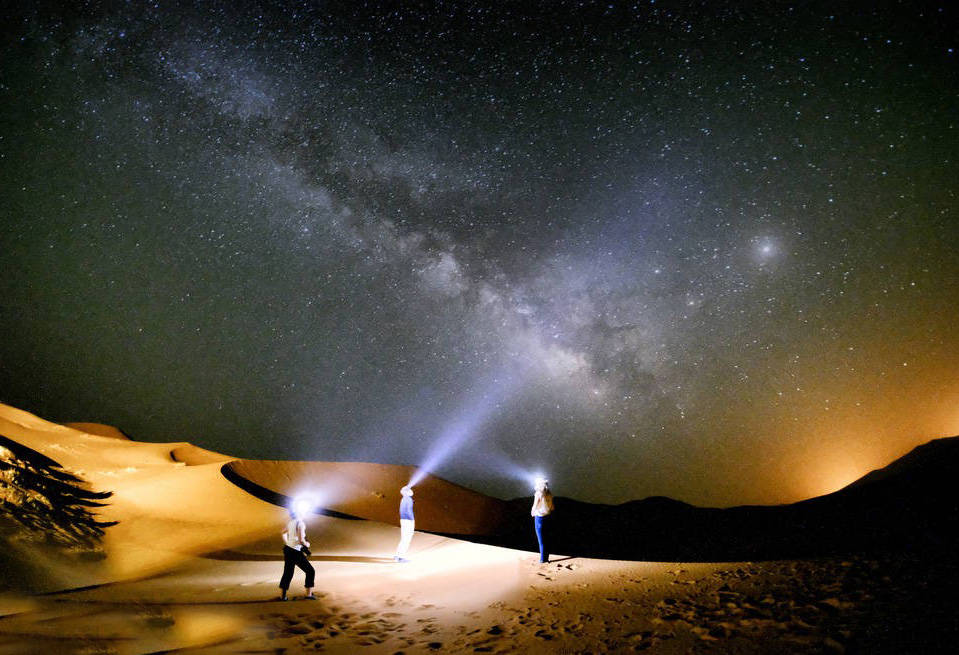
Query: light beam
x=466, y=425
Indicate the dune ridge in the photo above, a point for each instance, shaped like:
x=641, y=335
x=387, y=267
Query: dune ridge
x=192, y=560
x=372, y=492
x=98, y=429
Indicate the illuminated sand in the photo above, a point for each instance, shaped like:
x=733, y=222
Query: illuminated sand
x=193, y=561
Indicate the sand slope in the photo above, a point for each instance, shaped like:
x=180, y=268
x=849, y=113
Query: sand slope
x=98, y=429
x=171, y=500
x=192, y=564
x=185, y=535
x=372, y=491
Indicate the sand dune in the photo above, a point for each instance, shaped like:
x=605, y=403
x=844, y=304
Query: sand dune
x=194, y=455
x=98, y=429
x=372, y=491
x=189, y=559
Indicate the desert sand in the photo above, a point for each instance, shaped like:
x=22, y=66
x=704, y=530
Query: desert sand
x=180, y=558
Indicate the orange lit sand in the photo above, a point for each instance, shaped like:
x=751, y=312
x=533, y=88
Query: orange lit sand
x=193, y=562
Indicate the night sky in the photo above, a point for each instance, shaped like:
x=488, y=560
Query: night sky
x=708, y=250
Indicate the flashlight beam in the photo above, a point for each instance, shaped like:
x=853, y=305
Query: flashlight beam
x=465, y=426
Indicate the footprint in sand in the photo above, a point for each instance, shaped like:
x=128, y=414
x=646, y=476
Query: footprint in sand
x=484, y=645
x=156, y=619
x=298, y=629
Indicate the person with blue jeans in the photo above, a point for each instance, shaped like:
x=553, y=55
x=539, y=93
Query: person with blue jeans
x=542, y=508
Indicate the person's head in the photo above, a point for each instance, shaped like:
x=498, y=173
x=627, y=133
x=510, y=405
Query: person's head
x=541, y=484
x=302, y=506
x=407, y=491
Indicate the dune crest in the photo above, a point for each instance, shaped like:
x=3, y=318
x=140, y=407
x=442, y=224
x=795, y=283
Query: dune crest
x=99, y=429
x=195, y=456
x=13, y=419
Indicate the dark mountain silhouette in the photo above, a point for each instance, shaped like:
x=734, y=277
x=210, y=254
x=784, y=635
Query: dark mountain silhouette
x=911, y=504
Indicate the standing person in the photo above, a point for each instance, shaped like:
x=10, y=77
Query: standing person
x=407, y=524
x=295, y=551
x=542, y=508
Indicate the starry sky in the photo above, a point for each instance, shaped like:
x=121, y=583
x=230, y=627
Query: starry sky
x=705, y=250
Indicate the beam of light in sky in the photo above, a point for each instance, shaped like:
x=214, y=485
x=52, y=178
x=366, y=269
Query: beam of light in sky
x=467, y=423
x=513, y=470
x=508, y=467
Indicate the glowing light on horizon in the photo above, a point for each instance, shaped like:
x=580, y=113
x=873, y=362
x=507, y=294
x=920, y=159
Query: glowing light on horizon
x=841, y=479
x=833, y=474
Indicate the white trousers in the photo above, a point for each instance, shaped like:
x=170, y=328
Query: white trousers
x=407, y=526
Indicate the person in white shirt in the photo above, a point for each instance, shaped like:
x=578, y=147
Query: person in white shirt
x=295, y=551
x=407, y=524
x=542, y=508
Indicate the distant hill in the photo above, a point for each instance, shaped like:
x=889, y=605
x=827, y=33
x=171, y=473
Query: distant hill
x=934, y=460
x=912, y=503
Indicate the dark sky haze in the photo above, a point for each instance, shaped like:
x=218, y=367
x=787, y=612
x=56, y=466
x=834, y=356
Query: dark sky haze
x=708, y=250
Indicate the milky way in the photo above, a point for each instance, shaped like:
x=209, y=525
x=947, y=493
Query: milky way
x=665, y=248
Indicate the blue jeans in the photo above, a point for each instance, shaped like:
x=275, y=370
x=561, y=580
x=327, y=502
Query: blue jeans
x=539, y=523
